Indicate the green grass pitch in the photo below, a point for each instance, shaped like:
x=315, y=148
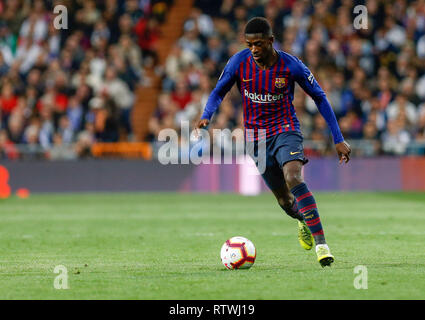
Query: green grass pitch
x=167, y=246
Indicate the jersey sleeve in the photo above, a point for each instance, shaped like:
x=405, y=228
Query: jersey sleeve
x=306, y=80
x=224, y=84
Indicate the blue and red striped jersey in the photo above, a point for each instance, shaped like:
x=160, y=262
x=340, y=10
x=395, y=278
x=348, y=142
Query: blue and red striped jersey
x=267, y=94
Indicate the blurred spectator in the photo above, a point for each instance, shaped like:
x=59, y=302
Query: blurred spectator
x=193, y=109
x=85, y=139
x=61, y=151
x=163, y=117
x=177, y=61
x=16, y=129
x=119, y=92
x=8, y=102
x=401, y=105
x=49, y=76
x=395, y=139
x=65, y=130
x=215, y=49
x=7, y=44
x=420, y=134
x=100, y=32
x=32, y=148
x=302, y=114
x=371, y=77
x=128, y=51
x=374, y=78
x=200, y=21
x=133, y=10
x=370, y=131
x=87, y=16
x=148, y=33
x=105, y=119
x=7, y=147
x=181, y=95
x=190, y=41
x=75, y=113
x=47, y=128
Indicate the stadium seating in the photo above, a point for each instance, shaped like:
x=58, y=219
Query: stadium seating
x=373, y=77
x=125, y=69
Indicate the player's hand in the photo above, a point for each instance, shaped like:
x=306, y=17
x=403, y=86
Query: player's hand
x=202, y=124
x=344, y=150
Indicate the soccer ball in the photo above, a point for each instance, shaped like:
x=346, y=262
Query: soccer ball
x=238, y=253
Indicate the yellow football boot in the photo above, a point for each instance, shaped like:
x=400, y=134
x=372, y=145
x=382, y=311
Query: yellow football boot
x=304, y=236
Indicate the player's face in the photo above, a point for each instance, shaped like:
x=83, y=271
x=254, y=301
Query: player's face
x=259, y=45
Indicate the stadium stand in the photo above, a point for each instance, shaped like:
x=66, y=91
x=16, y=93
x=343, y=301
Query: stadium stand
x=373, y=77
x=65, y=90
x=125, y=69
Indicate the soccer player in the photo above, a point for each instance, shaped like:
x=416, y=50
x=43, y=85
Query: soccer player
x=266, y=78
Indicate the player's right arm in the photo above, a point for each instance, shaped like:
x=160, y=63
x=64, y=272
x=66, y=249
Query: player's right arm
x=224, y=84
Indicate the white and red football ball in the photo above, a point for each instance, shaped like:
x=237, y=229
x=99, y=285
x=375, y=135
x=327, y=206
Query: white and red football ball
x=238, y=253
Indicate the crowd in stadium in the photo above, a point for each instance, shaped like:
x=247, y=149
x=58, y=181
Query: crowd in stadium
x=374, y=77
x=63, y=90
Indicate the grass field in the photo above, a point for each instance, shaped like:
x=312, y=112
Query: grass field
x=166, y=246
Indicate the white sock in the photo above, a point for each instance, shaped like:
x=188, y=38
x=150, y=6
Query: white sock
x=321, y=246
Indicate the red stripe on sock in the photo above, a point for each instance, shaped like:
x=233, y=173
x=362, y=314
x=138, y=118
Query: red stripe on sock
x=318, y=233
x=313, y=222
x=309, y=207
x=305, y=195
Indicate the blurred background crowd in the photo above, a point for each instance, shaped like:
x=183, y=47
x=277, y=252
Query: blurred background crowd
x=63, y=90
x=374, y=77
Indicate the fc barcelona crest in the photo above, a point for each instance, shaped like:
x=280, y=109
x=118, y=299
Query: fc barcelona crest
x=280, y=82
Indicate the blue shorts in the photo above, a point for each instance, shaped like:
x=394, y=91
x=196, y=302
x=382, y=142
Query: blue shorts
x=280, y=149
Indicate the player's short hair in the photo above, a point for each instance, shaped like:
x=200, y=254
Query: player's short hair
x=259, y=25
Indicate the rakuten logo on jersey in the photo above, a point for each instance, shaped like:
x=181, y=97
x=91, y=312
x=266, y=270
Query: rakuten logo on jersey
x=263, y=98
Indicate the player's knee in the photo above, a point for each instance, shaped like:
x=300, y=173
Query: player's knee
x=293, y=178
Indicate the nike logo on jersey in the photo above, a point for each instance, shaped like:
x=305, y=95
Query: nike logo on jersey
x=292, y=153
x=246, y=80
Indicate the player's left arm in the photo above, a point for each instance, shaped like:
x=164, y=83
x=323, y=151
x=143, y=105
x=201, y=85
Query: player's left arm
x=304, y=77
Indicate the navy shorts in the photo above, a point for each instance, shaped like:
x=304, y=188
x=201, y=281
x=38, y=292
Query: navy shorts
x=280, y=149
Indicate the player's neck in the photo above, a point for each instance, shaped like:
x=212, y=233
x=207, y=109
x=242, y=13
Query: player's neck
x=268, y=61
